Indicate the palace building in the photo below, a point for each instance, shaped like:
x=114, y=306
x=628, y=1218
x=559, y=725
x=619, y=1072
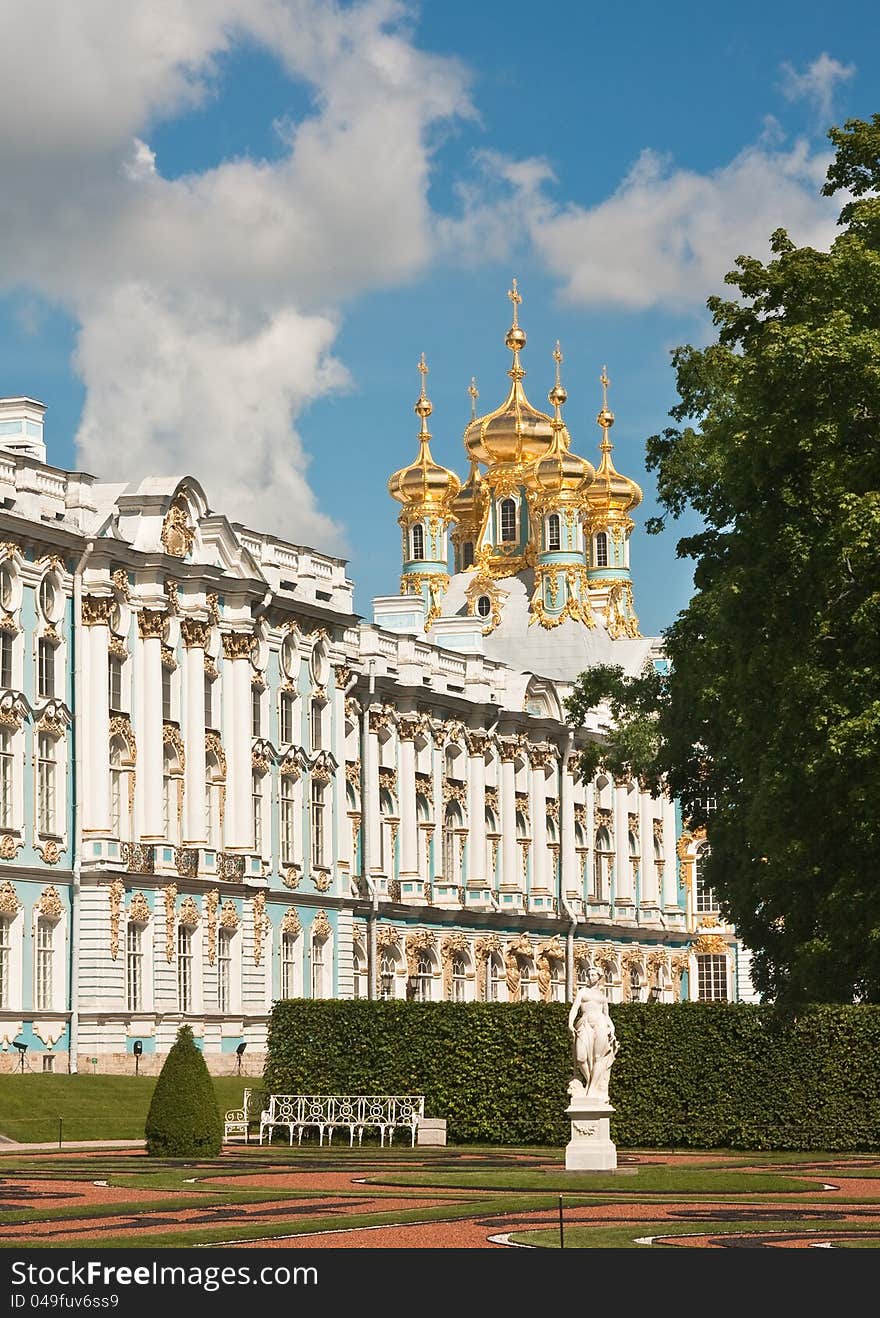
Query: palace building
x=220, y=786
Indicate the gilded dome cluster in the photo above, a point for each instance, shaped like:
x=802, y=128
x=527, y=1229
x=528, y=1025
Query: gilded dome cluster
x=519, y=445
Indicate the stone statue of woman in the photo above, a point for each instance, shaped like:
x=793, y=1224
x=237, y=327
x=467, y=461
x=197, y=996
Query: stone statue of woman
x=595, y=1041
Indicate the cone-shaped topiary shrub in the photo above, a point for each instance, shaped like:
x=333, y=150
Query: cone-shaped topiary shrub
x=184, y=1119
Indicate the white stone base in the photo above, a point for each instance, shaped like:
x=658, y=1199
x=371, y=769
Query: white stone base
x=431, y=1131
x=590, y=1148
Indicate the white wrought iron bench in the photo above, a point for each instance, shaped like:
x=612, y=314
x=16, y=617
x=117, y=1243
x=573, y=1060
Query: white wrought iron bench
x=353, y=1112
x=238, y=1121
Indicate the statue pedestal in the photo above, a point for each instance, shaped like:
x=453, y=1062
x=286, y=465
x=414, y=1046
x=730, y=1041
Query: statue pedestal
x=590, y=1148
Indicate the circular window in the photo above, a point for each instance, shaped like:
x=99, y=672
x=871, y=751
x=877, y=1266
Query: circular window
x=290, y=656
x=50, y=598
x=7, y=588
x=319, y=665
x=484, y=606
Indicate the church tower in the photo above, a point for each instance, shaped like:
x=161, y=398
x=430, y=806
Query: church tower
x=610, y=499
x=556, y=487
x=426, y=491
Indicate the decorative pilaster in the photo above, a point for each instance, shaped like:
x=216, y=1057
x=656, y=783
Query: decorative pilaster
x=237, y=740
x=407, y=730
x=624, y=898
x=195, y=638
x=510, y=873
x=538, y=804
x=151, y=627
x=476, y=853
x=96, y=763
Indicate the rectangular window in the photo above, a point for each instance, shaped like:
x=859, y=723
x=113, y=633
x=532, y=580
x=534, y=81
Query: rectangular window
x=45, y=959
x=256, y=712
x=288, y=965
x=287, y=708
x=6, y=768
x=134, y=968
x=224, y=968
x=166, y=694
x=317, y=824
x=114, y=681
x=46, y=770
x=257, y=806
x=45, y=669
x=554, y=532
x=5, y=958
x=318, y=968
x=5, y=660
x=184, y=968
x=712, y=978
x=209, y=701
x=316, y=719
x=288, y=834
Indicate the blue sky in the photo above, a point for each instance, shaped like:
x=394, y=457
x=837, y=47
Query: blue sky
x=232, y=226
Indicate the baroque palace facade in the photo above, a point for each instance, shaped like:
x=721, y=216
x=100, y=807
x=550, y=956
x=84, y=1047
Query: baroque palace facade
x=219, y=786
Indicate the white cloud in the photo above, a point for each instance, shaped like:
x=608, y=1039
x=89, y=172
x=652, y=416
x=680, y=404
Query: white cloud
x=666, y=236
x=817, y=83
x=232, y=276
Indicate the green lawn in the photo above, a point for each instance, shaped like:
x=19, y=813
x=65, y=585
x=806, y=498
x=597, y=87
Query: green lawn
x=89, y=1107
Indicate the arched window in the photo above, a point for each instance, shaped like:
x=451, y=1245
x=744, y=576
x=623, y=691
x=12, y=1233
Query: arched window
x=554, y=532
x=213, y=801
x=386, y=845
x=170, y=798
x=318, y=948
x=224, y=969
x=557, y=980
x=360, y=974
x=386, y=975
x=418, y=541
x=120, y=792
x=288, y=819
x=47, y=784
x=603, y=861
x=704, y=897
x=601, y=549
x=459, y=978
x=257, y=810
x=583, y=971
x=659, y=861
x=495, y=978
x=452, y=821
x=634, y=856
x=421, y=986
x=492, y=837
x=7, y=766
x=527, y=982
x=288, y=964
x=507, y=511
x=453, y=762
x=467, y=555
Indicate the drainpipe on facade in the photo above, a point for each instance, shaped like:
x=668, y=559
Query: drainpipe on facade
x=77, y=803
x=564, y=843
x=366, y=835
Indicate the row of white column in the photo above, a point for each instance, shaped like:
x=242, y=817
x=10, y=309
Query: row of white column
x=656, y=889
x=147, y=724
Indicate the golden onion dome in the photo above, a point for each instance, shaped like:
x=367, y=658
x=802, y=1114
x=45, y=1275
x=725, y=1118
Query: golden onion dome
x=424, y=484
x=560, y=471
x=516, y=431
x=610, y=491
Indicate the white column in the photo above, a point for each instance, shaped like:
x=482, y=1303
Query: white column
x=151, y=626
x=510, y=859
x=341, y=825
x=371, y=822
x=406, y=787
x=670, y=856
x=623, y=884
x=650, y=895
x=590, y=807
x=96, y=759
x=538, y=808
x=239, y=827
x=476, y=788
x=569, y=859
x=195, y=636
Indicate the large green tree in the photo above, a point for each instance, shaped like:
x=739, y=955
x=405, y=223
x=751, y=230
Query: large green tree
x=771, y=703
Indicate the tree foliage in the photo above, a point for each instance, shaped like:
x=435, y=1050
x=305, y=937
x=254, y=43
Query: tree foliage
x=184, y=1119
x=772, y=700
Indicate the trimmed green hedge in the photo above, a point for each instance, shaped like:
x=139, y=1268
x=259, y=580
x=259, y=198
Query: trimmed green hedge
x=698, y=1075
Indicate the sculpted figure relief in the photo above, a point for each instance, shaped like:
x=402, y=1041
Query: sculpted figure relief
x=595, y=1042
